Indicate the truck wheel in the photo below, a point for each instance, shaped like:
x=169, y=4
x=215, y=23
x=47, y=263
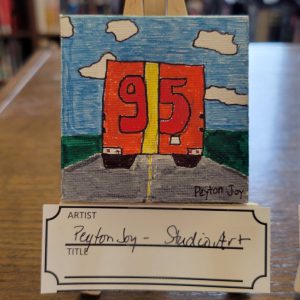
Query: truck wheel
x=115, y=161
x=187, y=161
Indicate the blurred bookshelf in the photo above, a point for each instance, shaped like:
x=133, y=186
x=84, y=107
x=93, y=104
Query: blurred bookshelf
x=24, y=27
x=16, y=36
x=102, y=7
x=27, y=25
x=270, y=20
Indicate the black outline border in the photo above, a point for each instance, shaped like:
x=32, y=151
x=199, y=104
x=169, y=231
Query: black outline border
x=96, y=62
x=221, y=33
x=73, y=27
x=134, y=103
x=174, y=278
x=228, y=89
x=117, y=20
x=173, y=105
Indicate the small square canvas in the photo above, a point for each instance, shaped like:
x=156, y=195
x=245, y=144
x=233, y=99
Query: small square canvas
x=154, y=109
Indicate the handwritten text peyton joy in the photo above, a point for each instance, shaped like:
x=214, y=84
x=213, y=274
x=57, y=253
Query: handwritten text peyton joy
x=173, y=237
x=207, y=192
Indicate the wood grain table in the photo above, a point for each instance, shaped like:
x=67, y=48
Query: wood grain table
x=30, y=170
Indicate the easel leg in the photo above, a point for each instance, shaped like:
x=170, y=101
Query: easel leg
x=90, y=295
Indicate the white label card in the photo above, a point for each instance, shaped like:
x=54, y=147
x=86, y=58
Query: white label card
x=156, y=247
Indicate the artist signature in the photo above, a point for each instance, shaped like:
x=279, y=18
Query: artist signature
x=208, y=191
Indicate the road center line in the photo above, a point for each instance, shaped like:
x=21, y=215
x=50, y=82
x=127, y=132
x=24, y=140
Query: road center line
x=149, y=180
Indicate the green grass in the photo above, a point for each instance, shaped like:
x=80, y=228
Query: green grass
x=77, y=148
x=229, y=148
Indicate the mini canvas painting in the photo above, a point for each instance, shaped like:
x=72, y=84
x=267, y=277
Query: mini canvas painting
x=154, y=109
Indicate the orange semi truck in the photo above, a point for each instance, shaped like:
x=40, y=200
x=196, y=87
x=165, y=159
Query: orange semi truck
x=152, y=108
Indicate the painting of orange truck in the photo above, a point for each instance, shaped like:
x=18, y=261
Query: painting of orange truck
x=152, y=108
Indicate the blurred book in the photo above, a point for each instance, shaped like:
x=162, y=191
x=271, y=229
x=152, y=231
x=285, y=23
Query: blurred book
x=296, y=38
x=70, y=6
x=102, y=7
x=47, y=16
x=10, y=58
x=276, y=24
x=5, y=17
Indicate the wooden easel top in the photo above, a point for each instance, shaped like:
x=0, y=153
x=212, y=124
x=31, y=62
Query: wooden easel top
x=155, y=8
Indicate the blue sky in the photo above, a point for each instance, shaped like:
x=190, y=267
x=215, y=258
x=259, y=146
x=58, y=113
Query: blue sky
x=161, y=39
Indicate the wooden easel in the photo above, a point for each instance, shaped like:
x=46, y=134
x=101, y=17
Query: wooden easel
x=148, y=8
x=155, y=8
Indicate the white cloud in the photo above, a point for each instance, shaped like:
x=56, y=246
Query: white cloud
x=97, y=70
x=228, y=96
x=66, y=27
x=122, y=29
x=214, y=40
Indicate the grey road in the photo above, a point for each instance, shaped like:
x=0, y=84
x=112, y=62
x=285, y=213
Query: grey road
x=153, y=179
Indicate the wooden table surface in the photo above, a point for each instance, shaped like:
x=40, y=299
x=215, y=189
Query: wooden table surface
x=30, y=172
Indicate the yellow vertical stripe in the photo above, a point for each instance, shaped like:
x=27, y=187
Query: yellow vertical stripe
x=150, y=143
x=149, y=182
